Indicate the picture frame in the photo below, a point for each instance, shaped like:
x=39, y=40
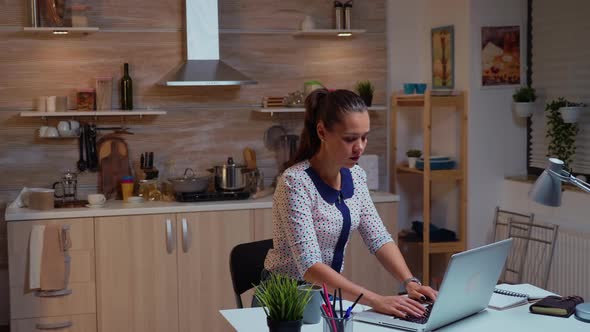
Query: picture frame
x=443, y=57
x=501, y=56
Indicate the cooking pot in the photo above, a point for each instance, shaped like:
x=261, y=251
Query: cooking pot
x=189, y=183
x=230, y=177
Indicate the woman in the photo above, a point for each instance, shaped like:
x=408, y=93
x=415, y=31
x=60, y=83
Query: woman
x=323, y=197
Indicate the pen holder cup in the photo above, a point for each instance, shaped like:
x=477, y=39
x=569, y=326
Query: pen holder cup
x=336, y=324
x=311, y=315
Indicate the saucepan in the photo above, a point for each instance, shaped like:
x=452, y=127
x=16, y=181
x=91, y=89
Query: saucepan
x=231, y=176
x=189, y=183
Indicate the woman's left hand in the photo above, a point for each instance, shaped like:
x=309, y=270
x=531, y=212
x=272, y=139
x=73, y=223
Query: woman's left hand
x=419, y=292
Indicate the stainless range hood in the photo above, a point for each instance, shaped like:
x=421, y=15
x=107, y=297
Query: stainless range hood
x=203, y=67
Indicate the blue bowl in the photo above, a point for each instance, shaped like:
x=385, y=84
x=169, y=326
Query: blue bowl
x=420, y=87
x=409, y=88
x=435, y=165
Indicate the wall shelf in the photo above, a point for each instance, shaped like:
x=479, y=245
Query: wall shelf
x=426, y=103
x=272, y=110
x=329, y=33
x=62, y=30
x=33, y=114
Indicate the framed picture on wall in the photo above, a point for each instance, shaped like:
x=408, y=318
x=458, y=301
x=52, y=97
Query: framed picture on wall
x=443, y=57
x=500, y=56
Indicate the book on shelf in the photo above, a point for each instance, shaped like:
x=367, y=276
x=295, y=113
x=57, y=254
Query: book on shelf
x=508, y=296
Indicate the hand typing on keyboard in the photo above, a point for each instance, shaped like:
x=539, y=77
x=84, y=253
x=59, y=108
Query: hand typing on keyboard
x=400, y=306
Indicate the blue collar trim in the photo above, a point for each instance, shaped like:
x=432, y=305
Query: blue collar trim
x=329, y=194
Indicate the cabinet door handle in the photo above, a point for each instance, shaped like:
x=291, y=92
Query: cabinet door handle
x=169, y=240
x=53, y=326
x=186, y=236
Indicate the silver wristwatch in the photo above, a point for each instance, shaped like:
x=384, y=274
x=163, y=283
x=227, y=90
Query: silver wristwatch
x=411, y=279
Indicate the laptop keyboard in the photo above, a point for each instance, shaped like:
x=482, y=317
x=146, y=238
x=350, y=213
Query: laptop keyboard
x=420, y=320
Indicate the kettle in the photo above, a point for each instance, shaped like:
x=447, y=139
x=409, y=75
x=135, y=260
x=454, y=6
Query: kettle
x=67, y=188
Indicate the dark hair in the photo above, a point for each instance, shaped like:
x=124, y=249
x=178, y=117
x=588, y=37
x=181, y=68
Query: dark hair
x=327, y=106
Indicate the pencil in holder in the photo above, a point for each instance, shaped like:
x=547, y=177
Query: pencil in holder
x=336, y=324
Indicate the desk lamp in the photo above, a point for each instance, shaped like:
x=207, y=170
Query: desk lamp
x=547, y=188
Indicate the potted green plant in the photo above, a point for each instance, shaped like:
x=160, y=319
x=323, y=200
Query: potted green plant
x=524, y=101
x=365, y=90
x=413, y=155
x=283, y=302
x=562, y=135
x=571, y=111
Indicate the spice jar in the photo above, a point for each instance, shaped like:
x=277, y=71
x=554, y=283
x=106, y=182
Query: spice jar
x=79, y=18
x=85, y=99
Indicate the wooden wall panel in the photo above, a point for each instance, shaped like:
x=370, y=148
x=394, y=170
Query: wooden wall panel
x=204, y=124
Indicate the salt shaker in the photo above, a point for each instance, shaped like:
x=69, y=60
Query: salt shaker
x=338, y=11
x=347, y=14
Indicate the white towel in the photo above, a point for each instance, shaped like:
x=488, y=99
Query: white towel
x=35, y=256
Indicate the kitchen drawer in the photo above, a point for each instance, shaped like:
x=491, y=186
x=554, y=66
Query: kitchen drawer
x=82, y=300
x=77, y=323
x=81, y=251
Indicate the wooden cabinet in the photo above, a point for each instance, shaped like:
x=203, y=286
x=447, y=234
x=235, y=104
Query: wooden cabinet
x=137, y=278
x=203, y=265
x=26, y=304
x=164, y=272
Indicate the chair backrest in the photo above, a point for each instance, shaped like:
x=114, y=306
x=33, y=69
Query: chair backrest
x=501, y=219
x=534, y=245
x=246, y=263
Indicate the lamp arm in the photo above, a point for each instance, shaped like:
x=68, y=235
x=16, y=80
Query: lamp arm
x=569, y=178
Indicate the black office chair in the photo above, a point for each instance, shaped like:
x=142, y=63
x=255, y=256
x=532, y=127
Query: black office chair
x=246, y=262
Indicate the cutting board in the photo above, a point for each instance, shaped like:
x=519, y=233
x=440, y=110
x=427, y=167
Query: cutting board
x=113, y=156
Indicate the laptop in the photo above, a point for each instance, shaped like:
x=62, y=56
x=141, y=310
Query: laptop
x=466, y=289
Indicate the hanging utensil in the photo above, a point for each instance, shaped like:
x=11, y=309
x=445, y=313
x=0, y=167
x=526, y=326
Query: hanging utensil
x=81, y=163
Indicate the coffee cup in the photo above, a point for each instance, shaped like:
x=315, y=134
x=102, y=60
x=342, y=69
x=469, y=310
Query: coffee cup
x=96, y=199
x=41, y=104
x=312, y=314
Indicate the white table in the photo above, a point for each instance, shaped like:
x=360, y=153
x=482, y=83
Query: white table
x=517, y=319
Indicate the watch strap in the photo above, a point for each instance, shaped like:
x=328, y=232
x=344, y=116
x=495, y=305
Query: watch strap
x=411, y=279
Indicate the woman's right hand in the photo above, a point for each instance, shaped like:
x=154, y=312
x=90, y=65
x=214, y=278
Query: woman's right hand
x=398, y=305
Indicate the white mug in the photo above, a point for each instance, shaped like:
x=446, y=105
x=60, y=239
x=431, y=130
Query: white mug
x=96, y=199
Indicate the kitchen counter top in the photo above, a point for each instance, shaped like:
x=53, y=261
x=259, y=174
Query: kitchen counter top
x=119, y=208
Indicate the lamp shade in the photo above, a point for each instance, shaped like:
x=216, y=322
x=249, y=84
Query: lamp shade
x=547, y=188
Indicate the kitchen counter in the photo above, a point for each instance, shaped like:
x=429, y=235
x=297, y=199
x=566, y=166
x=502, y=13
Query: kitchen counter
x=119, y=208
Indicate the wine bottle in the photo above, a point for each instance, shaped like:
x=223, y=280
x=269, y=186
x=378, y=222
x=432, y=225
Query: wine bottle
x=126, y=90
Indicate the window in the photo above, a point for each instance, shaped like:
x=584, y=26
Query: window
x=560, y=54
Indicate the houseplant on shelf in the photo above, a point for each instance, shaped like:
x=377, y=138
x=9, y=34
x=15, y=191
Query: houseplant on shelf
x=571, y=111
x=524, y=101
x=562, y=135
x=365, y=90
x=413, y=155
x=283, y=302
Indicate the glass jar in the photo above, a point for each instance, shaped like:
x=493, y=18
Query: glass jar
x=148, y=189
x=85, y=100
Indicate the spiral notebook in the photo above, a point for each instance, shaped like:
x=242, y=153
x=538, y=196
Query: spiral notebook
x=507, y=296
